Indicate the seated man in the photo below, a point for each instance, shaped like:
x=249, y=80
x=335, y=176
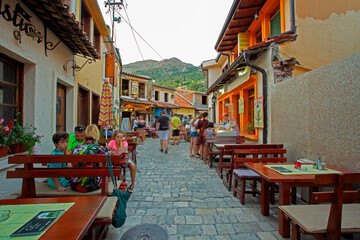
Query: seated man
x=77, y=138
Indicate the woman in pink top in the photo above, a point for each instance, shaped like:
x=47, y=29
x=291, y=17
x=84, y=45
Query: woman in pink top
x=119, y=145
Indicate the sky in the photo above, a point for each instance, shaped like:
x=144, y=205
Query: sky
x=185, y=29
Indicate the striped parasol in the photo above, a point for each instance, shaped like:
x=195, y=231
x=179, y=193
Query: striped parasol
x=106, y=116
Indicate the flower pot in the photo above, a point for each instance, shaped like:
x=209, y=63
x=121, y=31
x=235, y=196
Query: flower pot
x=3, y=151
x=252, y=132
x=17, y=148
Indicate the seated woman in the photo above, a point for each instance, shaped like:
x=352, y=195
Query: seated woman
x=90, y=146
x=119, y=145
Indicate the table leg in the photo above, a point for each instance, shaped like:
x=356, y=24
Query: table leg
x=284, y=199
x=265, y=197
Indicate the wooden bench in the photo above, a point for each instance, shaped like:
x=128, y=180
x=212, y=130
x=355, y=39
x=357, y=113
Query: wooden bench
x=30, y=189
x=242, y=175
x=221, y=140
x=229, y=149
x=327, y=221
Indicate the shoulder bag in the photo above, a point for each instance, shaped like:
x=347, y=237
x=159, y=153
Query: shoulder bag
x=123, y=197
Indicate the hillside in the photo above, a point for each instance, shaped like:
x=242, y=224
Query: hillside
x=170, y=73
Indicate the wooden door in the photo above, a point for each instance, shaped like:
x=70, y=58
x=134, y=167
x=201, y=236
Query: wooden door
x=60, y=108
x=83, y=117
x=95, y=109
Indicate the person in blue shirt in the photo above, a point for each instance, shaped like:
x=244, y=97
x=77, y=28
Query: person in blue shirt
x=61, y=141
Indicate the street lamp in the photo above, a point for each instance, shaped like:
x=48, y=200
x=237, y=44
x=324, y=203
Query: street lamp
x=213, y=100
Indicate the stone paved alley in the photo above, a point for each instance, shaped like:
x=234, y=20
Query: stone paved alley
x=187, y=198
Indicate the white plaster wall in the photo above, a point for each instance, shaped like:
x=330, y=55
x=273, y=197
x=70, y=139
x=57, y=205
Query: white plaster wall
x=41, y=74
x=318, y=113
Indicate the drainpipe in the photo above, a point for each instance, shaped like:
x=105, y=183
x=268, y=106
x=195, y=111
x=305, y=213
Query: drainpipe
x=264, y=83
x=292, y=21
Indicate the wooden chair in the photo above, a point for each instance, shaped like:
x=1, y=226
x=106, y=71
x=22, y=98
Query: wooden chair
x=243, y=175
x=327, y=221
x=221, y=140
x=230, y=149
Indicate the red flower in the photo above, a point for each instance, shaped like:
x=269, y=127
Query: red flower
x=11, y=124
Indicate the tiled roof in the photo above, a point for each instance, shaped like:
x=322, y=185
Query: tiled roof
x=182, y=102
x=63, y=23
x=136, y=101
x=165, y=105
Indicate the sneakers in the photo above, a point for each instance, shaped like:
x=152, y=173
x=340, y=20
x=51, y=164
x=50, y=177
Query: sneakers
x=166, y=151
x=161, y=150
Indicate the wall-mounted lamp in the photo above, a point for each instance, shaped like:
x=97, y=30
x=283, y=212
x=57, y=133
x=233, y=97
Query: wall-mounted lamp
x=75, y=66
x=35, y=35
x=213, y=99
x=256, y=15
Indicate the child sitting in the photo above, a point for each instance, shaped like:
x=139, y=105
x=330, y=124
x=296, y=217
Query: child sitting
x=119, y=145
x=61, y=141
x=210, y=131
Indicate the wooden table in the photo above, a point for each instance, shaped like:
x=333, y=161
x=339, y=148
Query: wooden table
x=75, y=222
x=285, y=183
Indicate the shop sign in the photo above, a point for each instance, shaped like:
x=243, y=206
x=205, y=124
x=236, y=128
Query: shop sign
x=258, y=113
x=19, y=18
x=241, y=105
x=135, y=88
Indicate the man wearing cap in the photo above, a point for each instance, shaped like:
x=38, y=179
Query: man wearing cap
x=77, y=138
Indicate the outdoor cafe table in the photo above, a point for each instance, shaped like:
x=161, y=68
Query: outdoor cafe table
x=74, y=223
x=285, y=183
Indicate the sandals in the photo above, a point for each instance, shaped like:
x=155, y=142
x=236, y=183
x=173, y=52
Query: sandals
x=129, y=190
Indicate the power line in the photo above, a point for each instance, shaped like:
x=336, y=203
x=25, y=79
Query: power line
x=132, y=31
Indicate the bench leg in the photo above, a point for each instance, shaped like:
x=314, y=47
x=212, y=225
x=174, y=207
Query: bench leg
x=243, y=186
x=235, y=186
x=295, y=235
x=254, y=188
x=293, y=195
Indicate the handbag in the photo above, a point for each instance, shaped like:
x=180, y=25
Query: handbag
x=123, y=197
x=199, y=129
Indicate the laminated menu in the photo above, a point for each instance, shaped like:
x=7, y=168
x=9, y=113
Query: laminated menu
x=39, y=223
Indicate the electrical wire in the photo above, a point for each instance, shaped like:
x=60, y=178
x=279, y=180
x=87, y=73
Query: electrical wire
x=137, y=44
x=132, y=28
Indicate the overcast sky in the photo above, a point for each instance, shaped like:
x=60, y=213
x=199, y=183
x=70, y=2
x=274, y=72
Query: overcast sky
x=185, y=29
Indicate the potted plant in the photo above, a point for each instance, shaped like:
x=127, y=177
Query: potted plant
x=249, y=128
x=23, y=138
x=4, y=136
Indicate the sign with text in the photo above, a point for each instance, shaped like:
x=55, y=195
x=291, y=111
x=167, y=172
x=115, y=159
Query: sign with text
x=258, y=113
x=241, y=105
x=135, y=88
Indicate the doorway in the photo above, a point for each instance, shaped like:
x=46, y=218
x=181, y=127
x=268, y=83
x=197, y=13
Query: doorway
x=95, y=108
x=83, y=106
x=60, y=108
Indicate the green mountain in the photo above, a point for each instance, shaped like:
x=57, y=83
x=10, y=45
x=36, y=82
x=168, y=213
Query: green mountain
x=170, y=73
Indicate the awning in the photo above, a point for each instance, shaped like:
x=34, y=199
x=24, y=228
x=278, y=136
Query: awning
x=166, y=105
x=148, y=103
x=57, y=17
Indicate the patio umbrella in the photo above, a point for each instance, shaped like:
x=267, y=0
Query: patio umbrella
x=106, y=116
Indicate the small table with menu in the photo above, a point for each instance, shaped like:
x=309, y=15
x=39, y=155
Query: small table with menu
x=79, y=214
x=286, y=181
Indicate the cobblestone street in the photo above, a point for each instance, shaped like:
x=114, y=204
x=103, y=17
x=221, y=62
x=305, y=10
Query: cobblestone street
x=186, y=197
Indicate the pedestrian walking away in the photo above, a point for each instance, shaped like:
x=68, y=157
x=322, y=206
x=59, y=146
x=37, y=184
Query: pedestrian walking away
x=162, y=130
x=175, y=122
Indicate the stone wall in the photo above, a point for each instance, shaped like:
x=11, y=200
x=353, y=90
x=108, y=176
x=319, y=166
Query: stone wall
x=319, y=113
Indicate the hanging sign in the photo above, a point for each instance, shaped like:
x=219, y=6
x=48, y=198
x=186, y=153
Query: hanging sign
x=258, y=113
x=241, y=105
x=135, y=88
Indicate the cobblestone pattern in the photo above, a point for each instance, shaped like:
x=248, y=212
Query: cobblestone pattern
x=187, y=198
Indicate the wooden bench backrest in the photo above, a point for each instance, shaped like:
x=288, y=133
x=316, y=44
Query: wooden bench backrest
x=29, y=172
x=337, y=198
x=225, y=139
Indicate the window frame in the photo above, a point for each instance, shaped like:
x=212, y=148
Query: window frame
x=157, y=95
x=166, y=97
x=19, y=91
